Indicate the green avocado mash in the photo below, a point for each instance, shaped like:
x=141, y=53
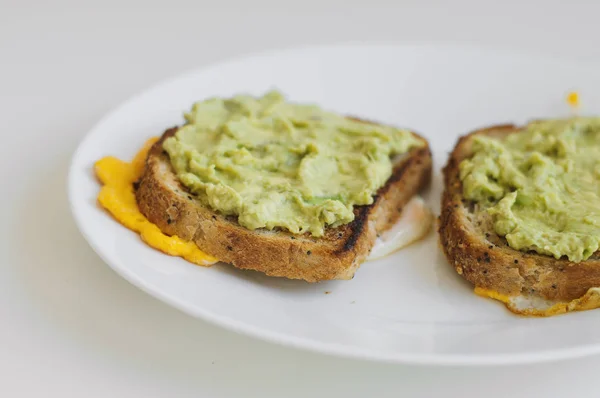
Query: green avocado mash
x=541, y=186
x=278, y=164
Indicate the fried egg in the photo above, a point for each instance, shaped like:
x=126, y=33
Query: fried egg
x=117, y=196
x=415, y=222
x=537, y=306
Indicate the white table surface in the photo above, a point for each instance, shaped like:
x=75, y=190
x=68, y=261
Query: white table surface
x=69, y=326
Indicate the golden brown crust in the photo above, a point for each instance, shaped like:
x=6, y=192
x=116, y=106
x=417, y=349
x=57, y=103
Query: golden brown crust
x=486, y=260
x=336, y=255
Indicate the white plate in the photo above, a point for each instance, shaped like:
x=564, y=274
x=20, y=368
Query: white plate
x=410, y=307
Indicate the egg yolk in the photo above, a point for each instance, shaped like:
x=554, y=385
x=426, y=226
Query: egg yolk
x=117, y=196
x=589, y=301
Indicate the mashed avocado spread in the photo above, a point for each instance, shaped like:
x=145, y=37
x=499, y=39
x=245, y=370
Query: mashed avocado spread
x=541, y=186
x=277, y=164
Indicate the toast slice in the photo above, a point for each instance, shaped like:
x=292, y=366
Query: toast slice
x=336, y=255
x=485, y=259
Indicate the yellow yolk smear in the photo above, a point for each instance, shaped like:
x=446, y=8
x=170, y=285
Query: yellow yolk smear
x=117, y=196
x=573, y=99
x=535, y=306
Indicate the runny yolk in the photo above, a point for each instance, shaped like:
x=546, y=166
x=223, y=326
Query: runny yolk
x=118, y=198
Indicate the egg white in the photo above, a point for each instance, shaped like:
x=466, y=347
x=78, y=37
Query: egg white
x=415, y=222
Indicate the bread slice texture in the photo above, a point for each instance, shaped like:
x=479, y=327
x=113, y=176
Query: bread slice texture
x=336, y=255
x=485, y=259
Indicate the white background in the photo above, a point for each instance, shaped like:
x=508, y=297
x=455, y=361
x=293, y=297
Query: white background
x=69, y=326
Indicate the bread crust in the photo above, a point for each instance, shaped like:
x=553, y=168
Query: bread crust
x=336, y=255
x=483, y=258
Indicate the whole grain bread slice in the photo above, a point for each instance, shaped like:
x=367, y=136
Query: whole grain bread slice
x=336, y=255
x=485, y=259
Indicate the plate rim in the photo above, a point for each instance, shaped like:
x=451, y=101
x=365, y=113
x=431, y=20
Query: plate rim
x=282, y=339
